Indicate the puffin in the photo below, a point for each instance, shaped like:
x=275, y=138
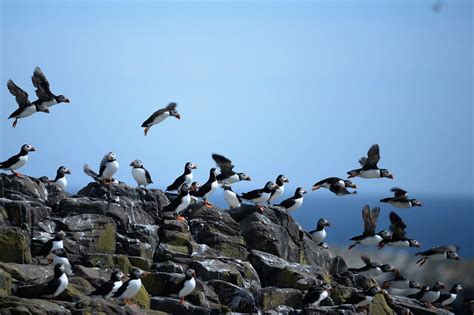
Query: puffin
x=25, y=108
x=206, y=190
x=277, y=192
x=60, y=257
x=45, y=96
x=180, y=203
x=193, y=188
x=18, y=160
x=323, y=245
x=398, y=238
x=317, y=294
x=438, y=253
x=400, y=199
x=428, y=295
x=319, y=235
x=186, y=285
x=160, y=115
x=446, y=299
x=336, y=185
x=372, y=268
x=369, y=166
x=131, y=287
x=227, y=173
x=140, y=173
x=400, y=282
x=185, y=178
x=108, y=288
x=369, y=237
x=108, y=167
x=363, y=299
x=57, y=285
x=259, y=195
x=232, y=199
x=61, y=180
x=295, y=202
x=52, y=244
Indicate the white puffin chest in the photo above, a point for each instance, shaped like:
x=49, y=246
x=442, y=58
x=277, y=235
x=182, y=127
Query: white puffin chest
x=185, y=201
x=160, y=118
x=262, y=198
x=373, y=272
x=373, y=173
x=399, y=244
x=110, y=169
x=323, y=296
x=450, y=299
x=133, y=286
x=188, y=287
x=430, y=296
x=277, y=193
x=63, y=282
x=231, y=198
x=319, y=236
x=232, y=179
x=214, y=186
x=117, y=285
x=400, y=204
x=188, y=179
x=57, y=244
x=62, y=182
x=371, y=240
x=139, y=175
x=27, y=111
x=21, y=162
x=50, y=103
x=296, y=205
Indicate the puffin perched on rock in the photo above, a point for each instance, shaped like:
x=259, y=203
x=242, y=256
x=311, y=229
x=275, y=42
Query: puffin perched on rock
x=180, y=203
x=428, y=295
x=18, y=160
x=160, y=115
x=185, y=178
x=372, y=268
x=295, y=202
x=438, y=253
x=206, y=190
x=319, y=235
x=186, y=285
x=363, y=299
x=108, y=167
x=398, y=237
x=227, y=173
x=369, y=237
x=277, y=192
x=259, y=195
x=45, y=96
x=400, y=200
x=52, y=244
x=336, y=185
x=369, y=166
x=60, y=257
x=316, y=295
x=401, y=283
x=446, y=299
x=61, y=180
x=232, y=199
x=131, y=287
x=58, y=284
x=25, y=108
x=107, y=289
x=140, y=173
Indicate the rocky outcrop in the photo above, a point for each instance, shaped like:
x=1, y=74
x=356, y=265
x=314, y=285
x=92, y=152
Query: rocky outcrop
x=245, y=261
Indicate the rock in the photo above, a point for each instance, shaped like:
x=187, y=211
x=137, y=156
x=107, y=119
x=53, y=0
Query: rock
x=108, y=261
x=139, y=262
x=332, y=310
x=172, y=306
x=83, y=205
x=28, y=274
x=399, y=302
x=98, y=305
x=24, y=188
x=5, y=283
x=234, y=297
x=338, y=266
x=14, y=246
x=21, y=212
x=380, y=306
x=16, y=305
x=142, y=298
x=271, y=297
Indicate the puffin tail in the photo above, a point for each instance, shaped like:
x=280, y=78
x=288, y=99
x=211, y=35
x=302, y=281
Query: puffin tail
x=90, y=172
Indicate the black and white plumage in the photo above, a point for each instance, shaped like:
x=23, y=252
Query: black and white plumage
x=446, y=299
x=26, y=108
x=108, y=167
x=295, y=202
x=316, y=295
x=43, y=92
x=336, y=185
x=280, y=189
x=319, y=235
x=398, y=237
x=400, y=199
x=206, y=190
x=369, y=166
x=18, y=160
x=140, y=173
x=369, y=237
x=60, y=180
x=428, y=295
x=400, y=282
x=363, y=299
x=372, y=268
x=108, y=288
x=227, y=173
x=131, y=287
x=232, y=199
x=186, y=285
x=60, y=257
x=57, y=285
x=438, y=253
x=261, y=195
x=52, y=244
x=185, y=178
x=160, y=115
x=180, y=203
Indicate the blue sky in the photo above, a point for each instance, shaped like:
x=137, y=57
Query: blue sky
x=300, y=88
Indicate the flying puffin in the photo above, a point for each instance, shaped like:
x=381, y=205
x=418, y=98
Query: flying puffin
x=369, y=166
x=446, y=299
x=295, y=202
x=25, y=108
x=400, y=200
x=61, y=180
x=428, y=295
x=107, y=289
x=52, y=244
x=206, y=190
x=180, y=203
x=277, y=192
x=336, y=185
x=57, y=285
x=186, y=285
x=369, y=237
x=185, y=178
x=398, y=238
x=317, y=294
x=18, y=160
x=400, y=282
x=45, y=96
x=363, y=299
x=232, y=199
x=161, y=115
x=140, y=173
x=319, y=235
x=259, y=195
x=372, y=268
x=438, y=253
x=60, y=257
x=108, y=167
x=227, y=170
x=131, y=287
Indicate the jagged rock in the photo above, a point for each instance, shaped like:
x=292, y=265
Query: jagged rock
x=399, y=302
x=21, y=212
x=81, y=205
x=234, y=297
x=108, y=261
x=15, y=246
x=344, y=309
x=172, y=306
x=27, y=274
x=271, y=297
x=5, y=283
x=338, y=266
x=94, y=305
x=23, y=188
x=16, y=305
x=140, y=262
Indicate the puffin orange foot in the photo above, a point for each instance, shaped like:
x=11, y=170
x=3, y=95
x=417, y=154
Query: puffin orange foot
x=180, y=218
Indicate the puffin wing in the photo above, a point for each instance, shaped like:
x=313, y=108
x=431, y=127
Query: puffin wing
x=46, y=248
x=51, y=287
x=9, y=162
x=373, y=157
x=39, y=76
x=356, y=298
x=41, y=93
x=370, y=219
x=148, y=176
x=177, y=182
x=103, y=165
x=122, y=289
x=368, y=262
x=397, y=227
x=104, y=289
x=224, y=164
x=287, y=203
x=253, y=194
x=21, y=96
x=447, y=248
x=398, y=192
x=171, y=106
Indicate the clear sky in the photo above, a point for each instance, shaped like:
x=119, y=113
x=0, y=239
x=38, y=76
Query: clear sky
x=300, y=88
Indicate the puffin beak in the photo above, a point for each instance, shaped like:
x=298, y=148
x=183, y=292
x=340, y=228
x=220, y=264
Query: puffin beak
x=46, y=110
x=178, y=116
x=315, y=187
x=248, y=178
x=328, y=224
x=66, y=100
x=194, y=274
x=68, y=171
x=131, y=163
x=287, y=180
x=391, y=176
x=32, y=149
x=305, y=192
x=192, y=188
x=195, y=166
x=145, y=274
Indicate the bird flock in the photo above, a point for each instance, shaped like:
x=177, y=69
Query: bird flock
x=189, y=191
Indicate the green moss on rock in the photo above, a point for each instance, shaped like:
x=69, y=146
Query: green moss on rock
x=14, y=246
x=107, y=240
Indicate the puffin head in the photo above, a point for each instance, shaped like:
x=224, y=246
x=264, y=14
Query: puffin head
x=243, y=176
x=191, y=166
x=61, y=235
x=190, y=273
x=137, y=273
x=300, y=191
x=185, y=188
x=62, y=99
x=452, y=255
x=136, y=164
x=386, y=173
x=270, y=185
x=63, y=170
x=282, y=179
x=385, y=235
x=416, y=203
x=323, y=222
x=117, y=275
x=414, y=243
x=111, y=156
x=175, y=113
x=350, y=184
x=27, y=148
